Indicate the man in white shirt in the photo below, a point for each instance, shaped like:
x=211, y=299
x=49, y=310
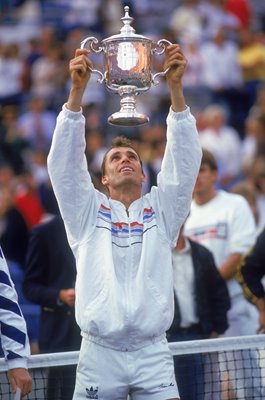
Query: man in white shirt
x=223, y=222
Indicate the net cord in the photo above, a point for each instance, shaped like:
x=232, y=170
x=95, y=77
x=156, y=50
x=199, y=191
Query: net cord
x=177, y=348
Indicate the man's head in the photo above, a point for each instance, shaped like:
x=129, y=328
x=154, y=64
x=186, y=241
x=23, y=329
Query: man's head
x=122, y=164
x=205, y=184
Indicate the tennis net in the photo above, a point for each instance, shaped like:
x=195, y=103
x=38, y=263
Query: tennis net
x=217, y=369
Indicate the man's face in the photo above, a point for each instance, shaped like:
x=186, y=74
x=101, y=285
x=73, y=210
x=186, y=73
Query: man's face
x=122, y=167
x=206, y=180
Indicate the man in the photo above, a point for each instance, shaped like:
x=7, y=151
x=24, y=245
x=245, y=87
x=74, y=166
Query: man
x=223, y=222
x=250, y=274
x=49, y=280
x=14, y=338
x=122, y=244
x=201, y=305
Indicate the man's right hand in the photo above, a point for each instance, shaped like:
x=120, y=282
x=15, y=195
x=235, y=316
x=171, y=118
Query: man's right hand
x=80, y=70
x=67, y=296
x=20, y=378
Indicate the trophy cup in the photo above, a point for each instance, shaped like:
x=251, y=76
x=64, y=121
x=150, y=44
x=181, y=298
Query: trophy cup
x=127, y=59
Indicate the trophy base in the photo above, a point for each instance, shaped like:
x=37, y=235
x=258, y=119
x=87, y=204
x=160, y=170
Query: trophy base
x=128, y=119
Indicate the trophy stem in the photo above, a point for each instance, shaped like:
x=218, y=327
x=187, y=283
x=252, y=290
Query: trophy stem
x=128, y=115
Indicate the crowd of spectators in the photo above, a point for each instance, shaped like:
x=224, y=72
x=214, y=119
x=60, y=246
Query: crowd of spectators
x=224, y=42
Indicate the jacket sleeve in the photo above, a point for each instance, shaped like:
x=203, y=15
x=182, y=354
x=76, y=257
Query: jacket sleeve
x=72, y=184
x=252, y=269
x=13, y=331
x=179, y=171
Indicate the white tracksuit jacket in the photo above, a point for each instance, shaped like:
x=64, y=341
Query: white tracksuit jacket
x=124, y=286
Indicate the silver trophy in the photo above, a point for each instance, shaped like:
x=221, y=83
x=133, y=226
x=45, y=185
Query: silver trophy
x=128, y=60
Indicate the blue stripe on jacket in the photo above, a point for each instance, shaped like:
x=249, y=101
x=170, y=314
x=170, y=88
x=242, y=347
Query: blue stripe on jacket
x=13, y=333
x=9, y=305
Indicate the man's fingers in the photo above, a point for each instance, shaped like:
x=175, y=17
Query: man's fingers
x=81, y=63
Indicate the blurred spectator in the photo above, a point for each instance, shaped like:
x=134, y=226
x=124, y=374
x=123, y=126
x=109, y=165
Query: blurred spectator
x=13, y=228
x=36, y=125
x=27, y=199
x=196, y=91
x=151, y=16
x=81, y=13
x=11, y=74
x=13, y=147
x=186, y=19
x=241, y=9
x=224, y=142
x=221, y=74
x=251, y=57
x=111, y=13
x=216, y=16
x=48, y=75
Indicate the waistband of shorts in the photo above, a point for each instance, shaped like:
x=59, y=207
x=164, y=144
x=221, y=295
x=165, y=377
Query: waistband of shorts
x=123, y=346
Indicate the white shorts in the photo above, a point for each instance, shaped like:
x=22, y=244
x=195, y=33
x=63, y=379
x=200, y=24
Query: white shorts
x=107, y=374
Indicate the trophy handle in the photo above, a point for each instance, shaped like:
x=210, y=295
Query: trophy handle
x=162, y=45
x=92, y=40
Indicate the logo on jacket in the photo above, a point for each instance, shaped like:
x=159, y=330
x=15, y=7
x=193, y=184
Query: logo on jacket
x=92, y=393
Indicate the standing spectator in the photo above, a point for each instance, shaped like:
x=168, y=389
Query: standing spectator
x=201, y=304
x=123, y=243
x=49, y=281
x=13, y=334
x=224, y=223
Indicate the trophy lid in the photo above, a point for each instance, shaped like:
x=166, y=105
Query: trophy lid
x=127, y=31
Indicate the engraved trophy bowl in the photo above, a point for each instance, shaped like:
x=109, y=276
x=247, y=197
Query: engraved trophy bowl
x=127, y=62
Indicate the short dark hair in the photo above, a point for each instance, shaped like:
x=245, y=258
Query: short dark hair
x=209, y=159
x=118, y=141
